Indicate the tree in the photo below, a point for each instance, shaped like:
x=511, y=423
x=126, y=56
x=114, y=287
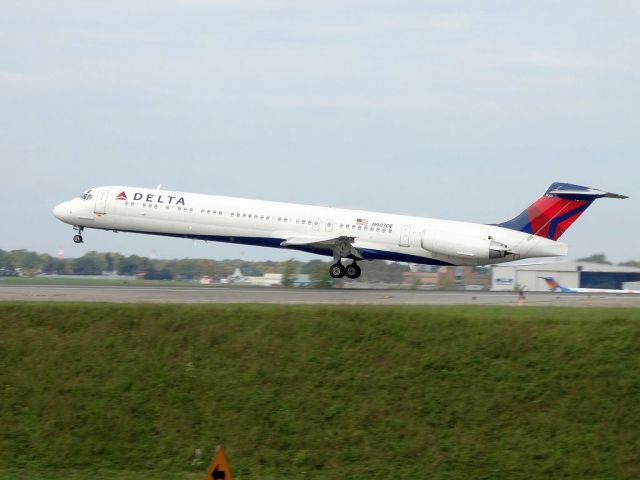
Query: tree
x=88, y=264
x=52, y=265
x=129, y=265
x=288, y=275
x=3, y=257
x=445, y=283
x=318, y=272
x=108, y=262
x=381, y=271
x=596, y=258
x=27, y=261
x=631, y=263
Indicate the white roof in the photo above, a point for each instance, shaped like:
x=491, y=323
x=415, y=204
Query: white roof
x=573, y=267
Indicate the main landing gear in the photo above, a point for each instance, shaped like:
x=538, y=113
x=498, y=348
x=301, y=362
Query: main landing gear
x=337, y=270
x=78, y=238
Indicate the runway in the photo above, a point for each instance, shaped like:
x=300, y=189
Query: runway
x=204, y=294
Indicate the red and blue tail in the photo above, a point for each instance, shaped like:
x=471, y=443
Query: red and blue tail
x=553, y=213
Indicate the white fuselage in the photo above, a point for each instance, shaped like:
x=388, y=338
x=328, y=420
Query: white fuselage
x=370, y=235
x=599, y=290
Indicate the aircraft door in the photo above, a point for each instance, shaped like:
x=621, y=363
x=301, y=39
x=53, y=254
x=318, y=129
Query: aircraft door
x=328, y=225
x=316, y=223
x=405, y=233
x=101, y=201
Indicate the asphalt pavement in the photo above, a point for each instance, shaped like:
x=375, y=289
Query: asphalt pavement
x=208, y=294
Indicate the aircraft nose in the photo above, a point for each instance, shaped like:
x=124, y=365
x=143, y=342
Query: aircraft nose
x=61, y=211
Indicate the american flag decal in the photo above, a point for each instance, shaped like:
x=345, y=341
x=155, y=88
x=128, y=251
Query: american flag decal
x=362, y=221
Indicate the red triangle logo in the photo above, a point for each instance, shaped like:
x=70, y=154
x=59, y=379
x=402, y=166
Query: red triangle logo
x=121, y=196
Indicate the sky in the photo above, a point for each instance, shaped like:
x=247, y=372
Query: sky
x=454, y=109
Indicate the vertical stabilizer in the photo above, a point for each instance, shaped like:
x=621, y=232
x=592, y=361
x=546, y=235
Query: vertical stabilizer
x=553, y=213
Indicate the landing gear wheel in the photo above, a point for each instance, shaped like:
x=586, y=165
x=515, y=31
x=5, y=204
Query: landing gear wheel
x=337, y=270
x=77, y=238
x=353, y=270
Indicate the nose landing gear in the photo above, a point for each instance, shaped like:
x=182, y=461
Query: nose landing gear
x=78, y=238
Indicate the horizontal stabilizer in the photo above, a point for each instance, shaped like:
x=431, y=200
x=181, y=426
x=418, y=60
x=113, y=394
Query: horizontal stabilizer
x=565, y=190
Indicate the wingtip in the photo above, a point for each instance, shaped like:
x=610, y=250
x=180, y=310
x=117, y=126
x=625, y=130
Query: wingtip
x=615, y=195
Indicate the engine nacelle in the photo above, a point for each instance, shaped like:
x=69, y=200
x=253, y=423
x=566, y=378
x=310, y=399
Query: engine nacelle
x=463, y=246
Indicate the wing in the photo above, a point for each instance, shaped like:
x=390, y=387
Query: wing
x=342, y=246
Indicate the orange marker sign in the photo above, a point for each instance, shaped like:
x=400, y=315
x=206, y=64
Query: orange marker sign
x=219, y=469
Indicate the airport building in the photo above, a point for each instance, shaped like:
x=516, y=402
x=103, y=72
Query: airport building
x=568, y=274
x=430, y=277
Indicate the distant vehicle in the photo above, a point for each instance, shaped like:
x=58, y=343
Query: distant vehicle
x=8, y=272
x=353, y=234
x=554, y=286
x=474, y=287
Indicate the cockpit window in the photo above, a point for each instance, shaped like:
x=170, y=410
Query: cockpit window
x=86, y=195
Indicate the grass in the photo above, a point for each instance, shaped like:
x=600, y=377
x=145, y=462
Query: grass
x=92, y=281
x=318, y=392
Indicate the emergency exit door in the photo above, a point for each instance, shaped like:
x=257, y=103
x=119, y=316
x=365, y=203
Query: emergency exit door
x=405, y=233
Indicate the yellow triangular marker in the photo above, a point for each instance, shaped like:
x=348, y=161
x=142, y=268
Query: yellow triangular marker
x=219, y=469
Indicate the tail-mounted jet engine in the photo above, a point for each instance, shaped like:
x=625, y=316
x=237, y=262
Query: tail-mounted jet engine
x=456, y=245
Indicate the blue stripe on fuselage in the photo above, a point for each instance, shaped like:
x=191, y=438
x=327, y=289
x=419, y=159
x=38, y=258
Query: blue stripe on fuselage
x=368, y=253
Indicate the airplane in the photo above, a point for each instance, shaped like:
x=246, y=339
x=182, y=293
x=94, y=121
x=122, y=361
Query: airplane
x=339, y=233
x=554, y=286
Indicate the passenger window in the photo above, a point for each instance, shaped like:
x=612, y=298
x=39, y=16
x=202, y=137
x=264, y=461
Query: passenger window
x=208, y=211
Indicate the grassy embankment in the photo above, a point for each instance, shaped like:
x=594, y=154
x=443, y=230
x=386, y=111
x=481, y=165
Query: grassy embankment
x=132, y=392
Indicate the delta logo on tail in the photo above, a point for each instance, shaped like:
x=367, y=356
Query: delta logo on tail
x=121, y=196
x=553, y=213
x=554, y=286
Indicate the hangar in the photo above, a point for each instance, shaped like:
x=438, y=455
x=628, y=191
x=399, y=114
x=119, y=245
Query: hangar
x=569, y=274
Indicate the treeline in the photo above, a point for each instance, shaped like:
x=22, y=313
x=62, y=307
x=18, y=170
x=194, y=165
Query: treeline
x=96, y=263
x=602, y=258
